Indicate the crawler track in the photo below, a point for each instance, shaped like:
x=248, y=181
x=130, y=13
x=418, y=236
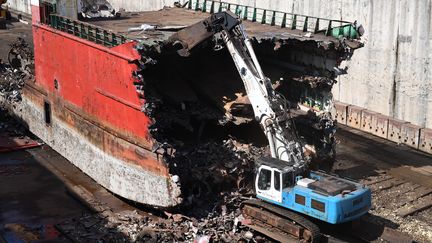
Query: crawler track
x=282, y=222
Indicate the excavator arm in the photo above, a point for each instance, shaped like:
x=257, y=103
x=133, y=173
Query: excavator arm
x=270, y=108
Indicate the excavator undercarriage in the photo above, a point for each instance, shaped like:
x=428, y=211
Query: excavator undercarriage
x=277, y=223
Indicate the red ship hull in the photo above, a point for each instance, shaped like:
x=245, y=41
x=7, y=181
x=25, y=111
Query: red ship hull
x=95, y=118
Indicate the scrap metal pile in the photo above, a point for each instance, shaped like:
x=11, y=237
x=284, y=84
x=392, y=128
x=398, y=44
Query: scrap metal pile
x=220, y=179
x=220, y=226
x=13, y=75
x=97, y=9
x=17, y=71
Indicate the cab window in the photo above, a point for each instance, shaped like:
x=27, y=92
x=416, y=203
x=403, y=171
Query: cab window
x=264, y=179
x=277, y=184
x=287, y=179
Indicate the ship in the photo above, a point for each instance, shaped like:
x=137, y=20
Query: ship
x=115, y=95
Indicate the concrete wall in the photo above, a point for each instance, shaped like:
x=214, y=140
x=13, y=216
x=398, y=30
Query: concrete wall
x=20, y=5
x=391, y=74
x=140, y=5
x=128, y=5
x=68, y=8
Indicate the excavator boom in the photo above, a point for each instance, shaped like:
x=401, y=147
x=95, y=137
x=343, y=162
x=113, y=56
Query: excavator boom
x=269, y=107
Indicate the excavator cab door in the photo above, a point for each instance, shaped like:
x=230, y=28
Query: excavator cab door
x=268, y=183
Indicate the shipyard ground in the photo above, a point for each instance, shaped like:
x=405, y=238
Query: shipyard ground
x=52, y=194
x=32, y=199
x=42, y=195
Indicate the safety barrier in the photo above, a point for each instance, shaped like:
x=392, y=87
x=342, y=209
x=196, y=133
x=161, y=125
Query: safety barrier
x=86, y=31
x=329, y=27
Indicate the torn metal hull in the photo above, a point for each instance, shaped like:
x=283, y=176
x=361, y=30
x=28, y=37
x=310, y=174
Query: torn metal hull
x=118, y=107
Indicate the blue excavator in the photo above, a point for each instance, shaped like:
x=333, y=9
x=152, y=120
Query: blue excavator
x=289, y=196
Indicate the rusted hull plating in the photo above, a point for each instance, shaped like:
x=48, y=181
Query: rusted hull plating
x=84, y=105
x=74, y=137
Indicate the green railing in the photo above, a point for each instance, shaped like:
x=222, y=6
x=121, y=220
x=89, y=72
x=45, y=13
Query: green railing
x=301, y=22
x=86, y=31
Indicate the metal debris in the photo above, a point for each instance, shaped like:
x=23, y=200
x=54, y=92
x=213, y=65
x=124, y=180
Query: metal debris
x=130, y=226
x=14, y=74
x=219, y=183
x=97, y=9
x=147, y=27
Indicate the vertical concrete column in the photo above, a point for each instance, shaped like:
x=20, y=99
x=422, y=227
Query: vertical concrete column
x=411, y=135
x=380, y=123
x=395, y=130
x=367, y=124
x=354, y=116
x=341, y=112
x=426, y=140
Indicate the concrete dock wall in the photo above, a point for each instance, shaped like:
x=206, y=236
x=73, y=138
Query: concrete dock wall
x=128, y=5
x=390, y=75
x=141, y=5
x=20, y=5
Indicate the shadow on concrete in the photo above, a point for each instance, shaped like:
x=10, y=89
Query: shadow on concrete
x=361, y=155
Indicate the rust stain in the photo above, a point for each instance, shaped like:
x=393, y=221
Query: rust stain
x=125, y=147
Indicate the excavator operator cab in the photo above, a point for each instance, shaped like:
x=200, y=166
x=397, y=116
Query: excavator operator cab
x=273, y=176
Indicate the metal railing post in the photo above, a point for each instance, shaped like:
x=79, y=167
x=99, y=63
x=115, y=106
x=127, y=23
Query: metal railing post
x=283, y=24
x=90, y=34
x=273, y=20
x=316, y=26
x=97, y=35
x=305, y=24
x=190, y=4
x=204, y=8
x=327, y=33
x=82, y=31
x=67, y=25
x=264, y=16
x=294, y=22
x=254, y=15
x=106, y=39
x=76, y=30
x=114, y=39
x=212, y=7
x=196, y=5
